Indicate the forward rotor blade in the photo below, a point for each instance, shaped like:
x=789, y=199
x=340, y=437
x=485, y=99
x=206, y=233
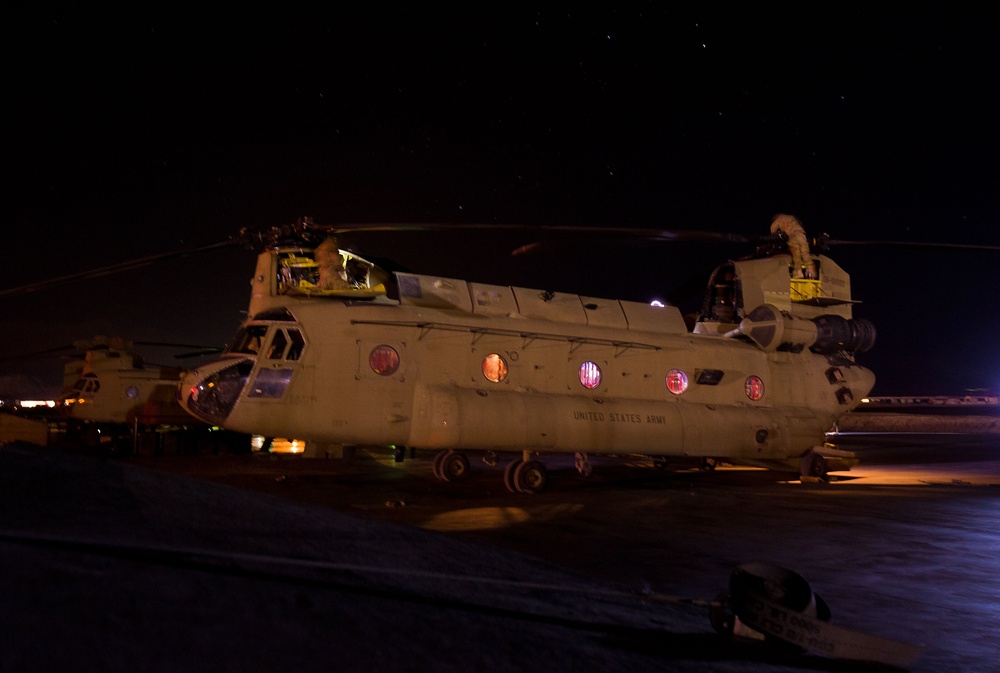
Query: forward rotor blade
x=648, y=233
x=112, y=269
x=645, y=234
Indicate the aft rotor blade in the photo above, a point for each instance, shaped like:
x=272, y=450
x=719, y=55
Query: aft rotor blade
x=913, y=244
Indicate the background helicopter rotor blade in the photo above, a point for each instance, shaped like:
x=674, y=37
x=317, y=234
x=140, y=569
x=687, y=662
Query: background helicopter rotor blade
x=79, y=348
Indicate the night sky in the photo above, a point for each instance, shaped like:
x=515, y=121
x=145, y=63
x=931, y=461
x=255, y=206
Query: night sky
x=130, y=134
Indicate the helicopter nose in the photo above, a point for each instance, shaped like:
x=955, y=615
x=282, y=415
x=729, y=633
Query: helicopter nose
x=212, y=391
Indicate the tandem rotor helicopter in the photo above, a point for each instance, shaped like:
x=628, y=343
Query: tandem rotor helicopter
x=110, y=394
x=339, y=352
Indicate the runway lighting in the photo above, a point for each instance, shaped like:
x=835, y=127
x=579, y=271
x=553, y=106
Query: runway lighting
x=32, y=404
x=282, y=445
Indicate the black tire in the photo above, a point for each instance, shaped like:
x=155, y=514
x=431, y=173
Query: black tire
x=438, y=459
x=817, y=468
x=508, y=475
x=454, y=466
x=531, y=477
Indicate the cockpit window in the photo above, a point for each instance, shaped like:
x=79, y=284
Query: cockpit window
x=286, y=344
x=89, y=384
x=271, y=383
x=276, y=315
x=297, y=344
x=277, y=348
x=249, y=339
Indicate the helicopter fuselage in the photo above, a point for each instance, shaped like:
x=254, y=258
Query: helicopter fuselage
x=452, y=364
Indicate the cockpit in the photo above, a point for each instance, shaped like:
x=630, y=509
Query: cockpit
x=273, y=338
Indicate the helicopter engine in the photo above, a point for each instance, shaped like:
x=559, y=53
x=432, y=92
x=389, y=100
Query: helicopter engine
x=772, y=329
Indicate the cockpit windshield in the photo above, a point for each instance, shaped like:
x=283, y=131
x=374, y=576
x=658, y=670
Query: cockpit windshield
x=287, y=342
x=249, y=340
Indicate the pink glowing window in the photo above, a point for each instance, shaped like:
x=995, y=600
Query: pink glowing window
x=590, y=375
x=677, y=381
x=383, y=360
x=754, y=388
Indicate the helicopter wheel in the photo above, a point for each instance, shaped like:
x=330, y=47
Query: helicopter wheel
x=438, y=460
x=817, y=469
x=508, y=475
x=530, y=477
x=454, y=466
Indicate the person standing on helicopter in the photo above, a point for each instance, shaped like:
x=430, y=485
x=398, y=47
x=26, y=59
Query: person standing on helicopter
x=790, y=229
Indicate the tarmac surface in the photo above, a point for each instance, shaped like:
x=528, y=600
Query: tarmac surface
x=164, y=563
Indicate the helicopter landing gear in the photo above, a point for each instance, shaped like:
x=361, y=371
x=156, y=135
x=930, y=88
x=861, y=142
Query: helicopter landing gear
x=709, y=464
x=813, y=468
x=530, y=477
x=451, y=466
x=508, y=474
x=491, y=458
x=583, y=465
x=525, y=476
x=438, y=457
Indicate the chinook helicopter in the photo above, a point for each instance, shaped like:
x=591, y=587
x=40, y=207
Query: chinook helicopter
x=110, y=393
x=111, y=384
x=341, y=352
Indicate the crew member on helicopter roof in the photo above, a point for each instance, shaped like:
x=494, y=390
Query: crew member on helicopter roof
x=790, y=229
x=332, y=275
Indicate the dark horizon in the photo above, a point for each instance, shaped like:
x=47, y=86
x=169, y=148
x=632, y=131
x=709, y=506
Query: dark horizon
x=136, y=134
